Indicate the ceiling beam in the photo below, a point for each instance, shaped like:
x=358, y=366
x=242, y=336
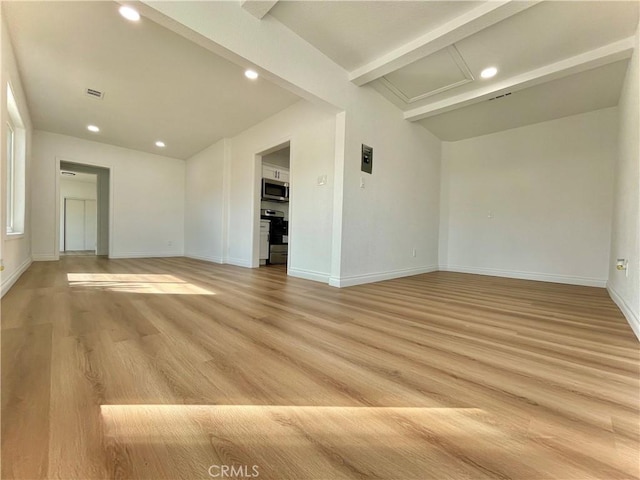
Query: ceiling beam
x=585, y=61
x=479, y=18
x=258, y=8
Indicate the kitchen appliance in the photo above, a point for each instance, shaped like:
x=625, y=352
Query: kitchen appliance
x=278, y=236
x=265, y=226
x=278, y=254
x=275, y=190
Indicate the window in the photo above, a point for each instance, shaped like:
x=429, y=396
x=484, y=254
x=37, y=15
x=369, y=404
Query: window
x=10, y=176
x=16, y=165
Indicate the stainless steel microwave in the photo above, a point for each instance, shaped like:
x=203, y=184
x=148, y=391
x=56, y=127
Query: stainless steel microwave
x=275, y=190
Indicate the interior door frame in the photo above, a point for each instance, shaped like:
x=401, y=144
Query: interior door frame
x=271, y=147
x=57, y=170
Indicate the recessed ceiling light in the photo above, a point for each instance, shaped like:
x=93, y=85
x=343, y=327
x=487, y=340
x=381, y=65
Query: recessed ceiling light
x=251, y=74
x=489, y=72
x=93, y=128
x=160, y=144
x=129, y=13
x=68, y=174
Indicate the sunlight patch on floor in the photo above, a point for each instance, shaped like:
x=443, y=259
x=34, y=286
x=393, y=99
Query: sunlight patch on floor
x=135, y=283
x=154, y=420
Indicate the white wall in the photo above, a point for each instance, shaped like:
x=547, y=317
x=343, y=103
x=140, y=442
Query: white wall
x=147, y=207
x=624, y=287
x=15, y=250
x=204, y=204
x=70, y=188
x=397, y=211
x=375, y=229
x=548, y=189
x=310, y=130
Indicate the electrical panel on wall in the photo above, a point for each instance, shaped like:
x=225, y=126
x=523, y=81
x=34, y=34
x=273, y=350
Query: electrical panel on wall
x=367, y=158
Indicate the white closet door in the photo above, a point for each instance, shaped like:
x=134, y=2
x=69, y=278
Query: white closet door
x=73, y=224
x=90, y=224
x=80, y=224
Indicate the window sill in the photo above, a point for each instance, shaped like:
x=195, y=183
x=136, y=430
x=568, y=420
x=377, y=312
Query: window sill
x=15, y=236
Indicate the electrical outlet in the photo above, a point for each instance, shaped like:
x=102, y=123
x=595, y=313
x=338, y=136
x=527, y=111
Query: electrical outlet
x=413, y=253
x=623, y=264
x=361, y=182
x=626, y=268
x=322, y=180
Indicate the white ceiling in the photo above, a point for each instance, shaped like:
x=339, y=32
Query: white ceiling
x=280, y=158
x=426, y=57
x=579, y=93
x=353, y=33
x=556, y=58
x=158, y=85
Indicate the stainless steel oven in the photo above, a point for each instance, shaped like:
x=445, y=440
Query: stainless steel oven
x=278, y=236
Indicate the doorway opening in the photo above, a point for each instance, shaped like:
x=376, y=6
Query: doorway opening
x=275, y=205
x=79, y=213
x=84, y=209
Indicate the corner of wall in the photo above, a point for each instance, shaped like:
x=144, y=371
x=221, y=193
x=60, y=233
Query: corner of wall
x=443, y=213
x=629, y=314
x=338, y=198
x=12, y=277
x=624, y=287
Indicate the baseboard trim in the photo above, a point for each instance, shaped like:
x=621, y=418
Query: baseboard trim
x=625, y=308
x=45, y=257
x=540, y=277
x=379, y=277
x=308, y=275
x=8, y=282
x=116, y=256
x=239, y=262
x=205, y=258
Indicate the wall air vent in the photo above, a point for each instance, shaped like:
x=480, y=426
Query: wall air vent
x=501, y=96
x=94, y=93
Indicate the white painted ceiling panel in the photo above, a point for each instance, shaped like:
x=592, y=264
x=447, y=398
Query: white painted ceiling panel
x=533, y=41
x=353, y=33
x=548, y=32
x=591, y=90
x=160, y=86
x=157, y=84
x=437, y=72
x=539, y=36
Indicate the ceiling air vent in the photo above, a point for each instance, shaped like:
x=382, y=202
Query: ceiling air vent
x=501, y=96
x=94, y=93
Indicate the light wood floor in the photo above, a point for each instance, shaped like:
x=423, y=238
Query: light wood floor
x=178, y=369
